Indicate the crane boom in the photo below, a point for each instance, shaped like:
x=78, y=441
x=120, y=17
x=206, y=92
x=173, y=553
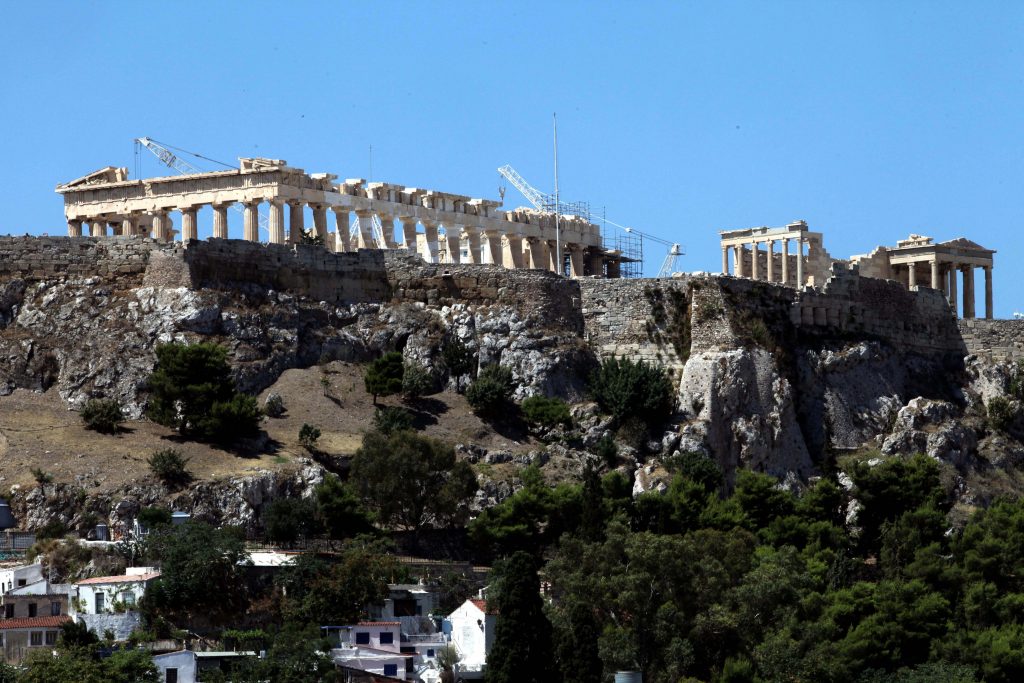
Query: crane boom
x=172, y=160
x=539, y=200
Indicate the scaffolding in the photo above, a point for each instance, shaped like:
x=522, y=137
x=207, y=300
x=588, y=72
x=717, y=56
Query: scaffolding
x=629, y=246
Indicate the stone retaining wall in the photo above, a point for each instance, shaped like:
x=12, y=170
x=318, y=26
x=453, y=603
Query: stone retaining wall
x=999, y=340
x=40, y=258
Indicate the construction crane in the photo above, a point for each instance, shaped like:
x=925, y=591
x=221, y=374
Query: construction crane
x=546, y=202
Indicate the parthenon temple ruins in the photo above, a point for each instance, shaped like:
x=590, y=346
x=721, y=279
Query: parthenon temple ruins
x=915, y=262
x=455, y=228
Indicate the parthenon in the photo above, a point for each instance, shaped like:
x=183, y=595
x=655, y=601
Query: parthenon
x=944, y=262
x=455, y=228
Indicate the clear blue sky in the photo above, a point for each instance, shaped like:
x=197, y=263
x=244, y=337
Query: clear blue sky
x=869, y=120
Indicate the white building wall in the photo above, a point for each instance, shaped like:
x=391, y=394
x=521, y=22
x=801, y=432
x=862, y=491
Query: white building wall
x=14, y=576
x=472, y=635
x=184, y=662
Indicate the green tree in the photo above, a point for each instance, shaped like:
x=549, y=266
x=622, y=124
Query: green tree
x=521, y=652
x=416, y=382
x=201, y=580
x=410, y=481
x=102, y=415
x=340, y=509
x=547, y=412
x=633, y=389
x=297, y=655
x=390, y=419
x=289, y=519
x=192, y=391
x=458, y=359
x=308, y=437
x=383, y=376
x=170, y=467
x=490, y=395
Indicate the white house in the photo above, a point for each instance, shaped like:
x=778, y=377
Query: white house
x=21, y=575
x=472, y=634
x=187, y=666
x=374, y=647
x=109, y=602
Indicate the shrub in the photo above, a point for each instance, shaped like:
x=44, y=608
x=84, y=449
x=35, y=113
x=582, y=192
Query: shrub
x=383, y=376
x=390, y=419
x=152, y=517
x=1001, y=413
x=548, y=412
x=52, y=529
x=289, y=519
x=41, y=476
x=192, y=392
x=102, y=415
x=416, y=381
x=170, y=467
x=308, y=436
x=459, y=360
x=625, y=389
x=491, y=393
x=274, y=405
x=607, y=451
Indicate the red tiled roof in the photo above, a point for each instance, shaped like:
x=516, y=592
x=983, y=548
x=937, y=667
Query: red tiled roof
x=379, y=623
x=123, y=578
x=480, y=605
x=34, y=622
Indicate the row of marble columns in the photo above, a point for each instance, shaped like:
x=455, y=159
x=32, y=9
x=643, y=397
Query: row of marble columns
x=484, y=246
x=946, y=280
x=755, y=251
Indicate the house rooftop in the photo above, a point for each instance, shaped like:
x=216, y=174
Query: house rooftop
x=123, y=578
x=43, y=588
x=34, y=622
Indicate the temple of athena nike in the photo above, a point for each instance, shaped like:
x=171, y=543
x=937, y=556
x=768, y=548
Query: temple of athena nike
x=455, y=228
x=915, y=262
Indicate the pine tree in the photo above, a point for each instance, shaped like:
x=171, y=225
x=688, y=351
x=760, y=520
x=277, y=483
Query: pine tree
x=522, y=651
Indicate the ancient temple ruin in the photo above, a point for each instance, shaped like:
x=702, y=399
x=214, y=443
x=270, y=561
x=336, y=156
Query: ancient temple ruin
x=439, y=226
x=915, y=262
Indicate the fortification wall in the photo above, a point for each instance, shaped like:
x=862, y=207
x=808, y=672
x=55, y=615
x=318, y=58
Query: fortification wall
x=40, y=258
x=998, y=340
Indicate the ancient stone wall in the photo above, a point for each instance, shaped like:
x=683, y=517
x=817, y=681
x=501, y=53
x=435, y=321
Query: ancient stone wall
x=998, y=340
x=41, y=258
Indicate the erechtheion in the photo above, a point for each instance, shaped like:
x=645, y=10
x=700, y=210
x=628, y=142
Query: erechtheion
x=455, y=228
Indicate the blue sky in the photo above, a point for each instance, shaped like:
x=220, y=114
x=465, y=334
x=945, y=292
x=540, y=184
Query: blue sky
x=869, y=120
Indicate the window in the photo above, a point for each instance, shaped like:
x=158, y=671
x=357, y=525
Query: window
x=387, y=638
x=54, y=609
x=22, y=582
x=129, y=599
x=8, y=611
x=362, y=638
x=390, y=669
x=51, y=637
x=172, y=676
x=99, y=603
x=35, y=638
x=32, y=610
x=430, y=652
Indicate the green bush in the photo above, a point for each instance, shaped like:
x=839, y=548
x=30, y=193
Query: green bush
x=192, y=392
x=545, y=411
x=607, y=451
x=170, y=467
x=289, y=519
x=41, y=476
x=1001, y=413
x=458, y=359
x=391, y=419
x=308, y=436
x=625, y=388
x=491, y=393
x=416, y=381
x=54, y=529
x=102, y=415
x=383, y=376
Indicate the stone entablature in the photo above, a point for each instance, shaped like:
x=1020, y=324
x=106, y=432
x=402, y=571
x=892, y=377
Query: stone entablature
x=796, y=268
x=452, y=225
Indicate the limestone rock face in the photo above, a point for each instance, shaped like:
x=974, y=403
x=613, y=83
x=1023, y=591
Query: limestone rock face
x=744, y=413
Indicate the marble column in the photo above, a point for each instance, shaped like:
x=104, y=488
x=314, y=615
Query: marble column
x=936, y=284
x=575, y=260
x=494, y=252
x=554, y=253
x=738, y=258
x=785, y=261
x=595, y=263
x=99, y=227
x=953, y=268
x=969, y=291
x=409, y=233
x=476, y=254
x=129, y=226
x=725, y=260
x=296, y=221
x=387, y=228
x=539, y=258
x=276, y=221
x=160, y=220
x=430, y=238
x=988, y=292
x=74, y=228
x=342, y=241
x=614, y=268
x=755, y=253
x=771, y=261
x=453, y=243
x=220, y=221
x=320, y=221
x=911, y=275
x=251, y=221
x=512, y=252
x=189, y=228
x=364, y=219
x=800, y=263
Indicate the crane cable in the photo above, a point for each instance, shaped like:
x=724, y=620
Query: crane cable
x=199, y=156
